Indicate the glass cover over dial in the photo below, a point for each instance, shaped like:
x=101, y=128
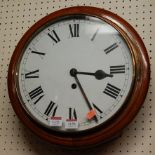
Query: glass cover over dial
x=74, y=74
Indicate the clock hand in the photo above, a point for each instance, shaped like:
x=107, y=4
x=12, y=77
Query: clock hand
x=99, y=74
x=73, y=73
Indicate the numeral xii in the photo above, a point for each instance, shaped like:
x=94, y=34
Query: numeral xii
x=74, y=30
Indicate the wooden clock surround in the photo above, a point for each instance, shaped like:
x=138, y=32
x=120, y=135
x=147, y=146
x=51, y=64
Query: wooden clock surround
x=125, y=114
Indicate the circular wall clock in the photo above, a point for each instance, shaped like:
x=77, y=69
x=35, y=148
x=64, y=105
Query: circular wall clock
x=78, y=76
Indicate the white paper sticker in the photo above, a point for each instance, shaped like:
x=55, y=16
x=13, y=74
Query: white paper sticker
x=55, y=121
x=71, y=124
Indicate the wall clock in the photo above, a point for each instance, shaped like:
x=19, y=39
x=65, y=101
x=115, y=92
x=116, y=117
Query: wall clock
x=78, y=76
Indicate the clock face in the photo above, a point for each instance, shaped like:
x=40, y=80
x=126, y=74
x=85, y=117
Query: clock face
x=74, y=74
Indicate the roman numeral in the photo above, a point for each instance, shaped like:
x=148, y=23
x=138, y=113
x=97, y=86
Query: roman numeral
x=32, y=74
x=72, y=114
x=117, y=69
x=97, y=108
x=39, y=53
x=112, y=91
x=74, y=30
x=94, y=35
x=36, y=94
x=111, y=48
x=52, y=107
x=54, y=36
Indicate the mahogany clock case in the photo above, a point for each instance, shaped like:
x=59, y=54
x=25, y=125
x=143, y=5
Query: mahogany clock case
x=127, y=112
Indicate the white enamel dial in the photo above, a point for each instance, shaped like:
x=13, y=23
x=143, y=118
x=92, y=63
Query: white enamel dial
x=75, y=74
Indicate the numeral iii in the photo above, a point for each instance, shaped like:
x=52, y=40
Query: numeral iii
x=117, y=69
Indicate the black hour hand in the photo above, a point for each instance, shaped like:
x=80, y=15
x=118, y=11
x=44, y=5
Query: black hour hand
x=99, y=74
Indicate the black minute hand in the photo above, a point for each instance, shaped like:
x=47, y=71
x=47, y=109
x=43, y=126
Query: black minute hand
x=74, y=74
